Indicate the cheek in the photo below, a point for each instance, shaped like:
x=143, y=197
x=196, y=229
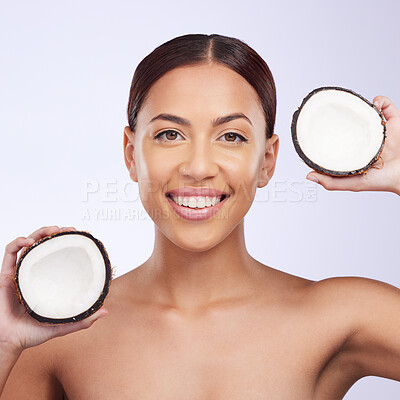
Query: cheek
x=243, y=173
x=156, y=171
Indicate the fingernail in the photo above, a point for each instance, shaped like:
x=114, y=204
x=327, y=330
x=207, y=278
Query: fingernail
x=312, y=178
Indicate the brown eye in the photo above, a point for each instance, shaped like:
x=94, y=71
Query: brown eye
x=231, y=136
x=170, y=135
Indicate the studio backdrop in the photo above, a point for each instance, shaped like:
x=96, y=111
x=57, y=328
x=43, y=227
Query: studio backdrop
x=66, y=70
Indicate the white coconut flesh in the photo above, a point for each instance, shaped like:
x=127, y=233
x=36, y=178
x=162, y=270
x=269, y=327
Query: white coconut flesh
x=63, y=276
x=339, y=131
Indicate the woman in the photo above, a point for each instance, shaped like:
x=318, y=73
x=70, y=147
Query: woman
x=201, y=318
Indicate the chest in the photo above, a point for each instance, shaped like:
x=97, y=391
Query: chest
x=246, y=357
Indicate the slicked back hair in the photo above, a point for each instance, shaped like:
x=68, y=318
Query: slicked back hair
x=194, y=49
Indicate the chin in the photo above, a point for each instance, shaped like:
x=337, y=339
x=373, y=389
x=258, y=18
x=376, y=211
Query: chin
x=195, y=247
x=199, y=241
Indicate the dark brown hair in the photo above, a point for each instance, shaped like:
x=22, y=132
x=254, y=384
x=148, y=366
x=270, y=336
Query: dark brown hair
x=201, y=49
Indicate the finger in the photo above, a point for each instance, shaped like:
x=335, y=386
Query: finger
x=41, y=233
x=10, y=254
x=61, y=330
x=67, y=229
x=388, y=108
x=44, y=231
x=353, y=183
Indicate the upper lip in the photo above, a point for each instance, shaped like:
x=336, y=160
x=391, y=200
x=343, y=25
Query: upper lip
x=203, y=191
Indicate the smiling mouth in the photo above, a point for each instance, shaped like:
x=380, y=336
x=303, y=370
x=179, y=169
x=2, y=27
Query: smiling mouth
x=197, y=202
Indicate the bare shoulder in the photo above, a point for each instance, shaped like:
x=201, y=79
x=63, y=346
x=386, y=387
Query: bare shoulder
x=357, y=293
x=356, y=298
x=356, y=308
x=367, y=311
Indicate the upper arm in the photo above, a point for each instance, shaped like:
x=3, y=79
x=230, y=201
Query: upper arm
x=32, y=376
x=374, y=343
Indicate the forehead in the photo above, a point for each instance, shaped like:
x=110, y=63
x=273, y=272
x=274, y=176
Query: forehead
x=202, y=91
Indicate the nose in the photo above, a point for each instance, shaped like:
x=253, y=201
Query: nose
x=200, y=163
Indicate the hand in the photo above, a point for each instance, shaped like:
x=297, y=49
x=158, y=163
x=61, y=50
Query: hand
x=18, y=330
x=384, y=176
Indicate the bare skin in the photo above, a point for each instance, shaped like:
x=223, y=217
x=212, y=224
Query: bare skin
x=285, y=339
x=201, y=318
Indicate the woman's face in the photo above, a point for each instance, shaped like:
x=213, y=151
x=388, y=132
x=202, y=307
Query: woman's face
x=193, y=151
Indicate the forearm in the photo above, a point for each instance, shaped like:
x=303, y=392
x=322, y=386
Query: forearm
x=7, y=362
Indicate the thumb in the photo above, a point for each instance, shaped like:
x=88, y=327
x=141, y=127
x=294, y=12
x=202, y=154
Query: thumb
x=353, y=183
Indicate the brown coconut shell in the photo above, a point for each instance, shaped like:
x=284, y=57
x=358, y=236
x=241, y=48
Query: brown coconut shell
x=317, y=167
x=94, y=307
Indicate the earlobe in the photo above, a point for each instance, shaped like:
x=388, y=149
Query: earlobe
x=129, y=153
x=269, y=161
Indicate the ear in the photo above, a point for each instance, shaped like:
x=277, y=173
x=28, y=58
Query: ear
x=269, y=161
x=129, y=153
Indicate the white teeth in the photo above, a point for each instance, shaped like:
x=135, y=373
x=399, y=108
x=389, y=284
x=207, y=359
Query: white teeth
x=201, y=202
x=196, y=201
x=192, y=202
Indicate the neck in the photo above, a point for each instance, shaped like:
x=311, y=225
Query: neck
x=185, y=279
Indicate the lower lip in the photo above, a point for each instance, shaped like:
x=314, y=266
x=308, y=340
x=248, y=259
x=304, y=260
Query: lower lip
x=196, y=214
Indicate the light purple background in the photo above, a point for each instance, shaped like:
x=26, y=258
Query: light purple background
x=65, y=74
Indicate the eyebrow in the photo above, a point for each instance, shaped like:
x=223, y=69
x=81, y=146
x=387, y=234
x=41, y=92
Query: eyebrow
x=215, y=122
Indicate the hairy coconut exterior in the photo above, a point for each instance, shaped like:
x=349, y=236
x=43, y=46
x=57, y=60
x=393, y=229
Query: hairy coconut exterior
x=317, y=167
x=94, y=307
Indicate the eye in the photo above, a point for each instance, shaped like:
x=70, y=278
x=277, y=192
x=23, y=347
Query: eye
x=170, y=135
x=234, y=135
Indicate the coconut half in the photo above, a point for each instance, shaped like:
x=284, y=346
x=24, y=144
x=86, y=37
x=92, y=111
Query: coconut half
x=64, y=277
x=338, y=132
